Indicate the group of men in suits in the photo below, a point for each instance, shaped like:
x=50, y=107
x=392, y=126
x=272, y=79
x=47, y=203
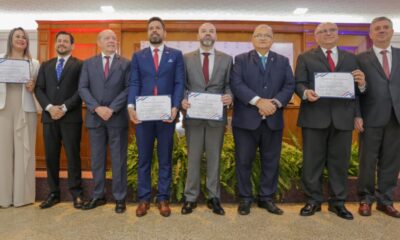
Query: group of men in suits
x=260, y=83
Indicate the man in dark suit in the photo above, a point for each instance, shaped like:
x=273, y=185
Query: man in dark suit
x=326, y=123
x=379, y=122
x=156, y=70
x=103, y=87
x=57, y=92
x=262, y=83
x=207, y=71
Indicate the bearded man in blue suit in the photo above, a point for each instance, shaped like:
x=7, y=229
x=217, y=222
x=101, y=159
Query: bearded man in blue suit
x=156, y=70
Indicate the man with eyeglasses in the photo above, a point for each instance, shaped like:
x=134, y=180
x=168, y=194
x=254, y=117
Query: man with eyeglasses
x=327, y=123
x=379, y=121
x=262, y=83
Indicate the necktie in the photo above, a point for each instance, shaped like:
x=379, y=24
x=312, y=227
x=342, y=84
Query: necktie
x=155, y=59
x=263, y=61
x=385, y=63
x=330, y=60
x=107, y=67
x=59, y=68
x=205, y=67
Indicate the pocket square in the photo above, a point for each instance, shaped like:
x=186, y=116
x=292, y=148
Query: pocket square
x=170, y=60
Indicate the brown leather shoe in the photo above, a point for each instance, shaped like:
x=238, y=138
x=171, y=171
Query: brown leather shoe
x=364, y=209
x=142, y=208
x=163, y=206
x=389, y=210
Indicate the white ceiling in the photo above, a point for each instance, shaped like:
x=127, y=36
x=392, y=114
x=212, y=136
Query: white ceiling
x=24, y=13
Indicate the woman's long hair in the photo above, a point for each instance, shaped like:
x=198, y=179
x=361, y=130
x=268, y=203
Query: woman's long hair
x=27, y=53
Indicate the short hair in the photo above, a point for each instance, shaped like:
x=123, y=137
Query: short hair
x=156, y=19
x=71, y=38
x=27, y=53
x=382, y=18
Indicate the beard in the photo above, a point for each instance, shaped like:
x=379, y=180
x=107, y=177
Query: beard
x=155, y=39
x=63, y=52
x=207, y=42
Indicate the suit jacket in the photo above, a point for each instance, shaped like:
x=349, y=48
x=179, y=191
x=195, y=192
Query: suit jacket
x=382, y=94
x=249, y=79
x=28, y=101
x=169, y=78
x=323, y=112
x=218, y=82
x=51, y=91
x=112, y=92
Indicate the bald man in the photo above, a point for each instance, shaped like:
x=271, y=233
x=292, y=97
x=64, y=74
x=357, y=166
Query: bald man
x=262, y=83
x=103, y=87
x=207, y=71
x=327, y=123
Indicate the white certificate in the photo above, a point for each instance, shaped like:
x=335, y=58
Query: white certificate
x=14, y=71
x=153, y=108
x=334, y=85
x=205, y=106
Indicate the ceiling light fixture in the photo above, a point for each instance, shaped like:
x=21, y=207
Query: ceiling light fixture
x=300, y=11
x=107, y=9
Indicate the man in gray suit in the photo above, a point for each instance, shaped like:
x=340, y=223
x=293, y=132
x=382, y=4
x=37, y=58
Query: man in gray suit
x=207, y=71
x=103, y=87
x=327, y=123
x=379, y=122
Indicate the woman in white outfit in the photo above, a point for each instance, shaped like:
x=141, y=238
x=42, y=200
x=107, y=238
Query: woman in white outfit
x=18, y=128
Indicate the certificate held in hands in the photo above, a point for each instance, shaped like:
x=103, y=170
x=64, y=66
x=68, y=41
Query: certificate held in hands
x=334, y=85
x=14, y=71
x=205, y=106
x=153, y=108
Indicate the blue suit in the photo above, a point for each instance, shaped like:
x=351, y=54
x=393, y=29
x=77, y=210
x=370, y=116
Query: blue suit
x=169, y=80
x=248, y=80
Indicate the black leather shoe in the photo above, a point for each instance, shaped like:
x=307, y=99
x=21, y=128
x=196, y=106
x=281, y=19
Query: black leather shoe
x=93, y=203
x=215, y=205
x=341, y=211
x=188, y=207
x=120, y=206
x=78, y=202
x=270, y=206
x=51, y=200
x=309, y=209
x=244, y=207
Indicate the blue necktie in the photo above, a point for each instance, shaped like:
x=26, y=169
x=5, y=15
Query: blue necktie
x=59, y=68
x=263, y=61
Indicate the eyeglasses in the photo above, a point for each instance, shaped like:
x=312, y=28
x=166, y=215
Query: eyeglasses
x=260, y=36
x=330, y=30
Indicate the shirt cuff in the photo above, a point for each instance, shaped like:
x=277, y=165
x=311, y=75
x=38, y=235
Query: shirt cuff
x=305, y=95
x=131, y=106
x=254, y=100
x=278, y=103
x=64, y=108
x=48, y=107
x=363, y=88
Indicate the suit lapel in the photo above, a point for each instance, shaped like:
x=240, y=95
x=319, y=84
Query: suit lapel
x=199, y=66
x=270, y=62
x=376, y=63
x=114, y=65
x=66, y=68
x=257, y=61
x=217, y=60
x=395, y=63
x=99, y=67
x=53, y=70
x=340, y=59
x=322, y=57
x=164, y=58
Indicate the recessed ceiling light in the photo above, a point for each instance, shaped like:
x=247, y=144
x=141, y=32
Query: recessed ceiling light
x=300, y=11
x=107, y=9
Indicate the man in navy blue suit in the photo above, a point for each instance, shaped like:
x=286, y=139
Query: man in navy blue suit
x=156, y=70
x=262, y=83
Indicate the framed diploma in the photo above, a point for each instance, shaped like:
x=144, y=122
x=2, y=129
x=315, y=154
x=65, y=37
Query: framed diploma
x=205, y=106
x=334, y=85
x=153, y=108
x=14, y=71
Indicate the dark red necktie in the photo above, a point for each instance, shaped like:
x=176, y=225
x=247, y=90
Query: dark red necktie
x=205, y=67
x=107, y=67
x=155, y=59
x=385, y=63
x=330, y=60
